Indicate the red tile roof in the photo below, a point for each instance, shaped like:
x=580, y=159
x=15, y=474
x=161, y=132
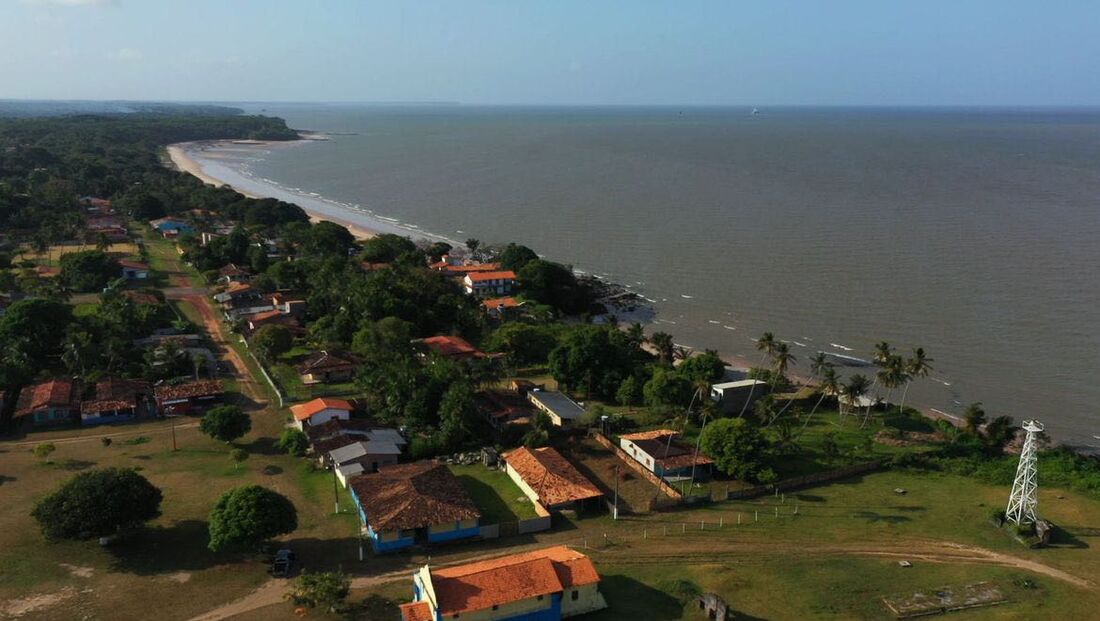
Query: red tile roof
x=416, y=611
x=115, y=394
x=134, y=265
x=495, y=303
x=190, y=390
x=483, y=276
x=303, y=411
x=554, y=479
x=266, y=316
x=232, y=269
x=58, y=393
x=482, y=585
x=452, y=346
x=652, y=434
x=666, y=451
x=327, y=361
x=414, y=495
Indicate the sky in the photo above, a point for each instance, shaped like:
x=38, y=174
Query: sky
x=602, y=52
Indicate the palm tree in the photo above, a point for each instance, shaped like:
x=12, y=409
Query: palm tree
x=854, y=390
x=882, y=354
x=662, y=342
x=766, y=346
x=829, y=384
x=918, y=366
x=782, y=360
x=974, y=416
x=890, y=376
x=819, y=363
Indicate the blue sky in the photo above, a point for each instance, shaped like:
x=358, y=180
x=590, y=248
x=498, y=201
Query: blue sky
x=859, y=52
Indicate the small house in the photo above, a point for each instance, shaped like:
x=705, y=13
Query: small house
x=542, y=585
x=733, y=397
x=237, y=295
x=502, y=407
x=325, y=367
x=501, y=308
x=452, y=347
x=180, y=399
x=115, y=400
x=51, y=403
x=548, y=479
x=661, y=452
x=417, y=502
x=232, y=273
x=489, y=284
x=320, y=410
x=171, y=227
x=563, y=411
x=134, y=270
x=370, y=454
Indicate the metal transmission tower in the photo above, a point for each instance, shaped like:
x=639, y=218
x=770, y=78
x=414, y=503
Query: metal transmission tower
x=1025, y=497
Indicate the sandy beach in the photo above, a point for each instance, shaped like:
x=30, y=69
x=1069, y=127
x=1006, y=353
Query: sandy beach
x=183, y=159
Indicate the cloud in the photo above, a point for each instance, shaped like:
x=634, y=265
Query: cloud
x=125, y=54
x=70, y=2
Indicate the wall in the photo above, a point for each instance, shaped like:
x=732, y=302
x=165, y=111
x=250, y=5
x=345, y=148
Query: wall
x=805, y=481
x=534, y=525
x=668, y=490
x=531, y=609
x=589, y=598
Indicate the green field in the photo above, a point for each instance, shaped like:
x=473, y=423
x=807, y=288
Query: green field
x=495, y=494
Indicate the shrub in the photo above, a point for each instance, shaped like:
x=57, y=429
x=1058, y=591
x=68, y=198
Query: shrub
x=293, y=441
x=98, y=503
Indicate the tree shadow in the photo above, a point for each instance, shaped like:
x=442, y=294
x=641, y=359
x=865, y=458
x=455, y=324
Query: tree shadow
x=628, y=598
x=165, y=549
x=6, y=479
x=75, y=465
x=810, y=497
x=909, y=508
x=272, y=470
x=873, y=517
x=264, y=446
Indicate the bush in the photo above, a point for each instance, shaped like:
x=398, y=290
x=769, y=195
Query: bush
x=324, y=590
x=737, y=447
x=89, y=270
x=98, y=503
x=293, y=441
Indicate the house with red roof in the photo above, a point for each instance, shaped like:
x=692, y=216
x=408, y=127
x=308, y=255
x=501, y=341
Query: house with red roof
x=48, y=404
x=548, y=479
x=134, y=270
x=490, y=284
x=406, y=503
x=116, y=400
x=542, y=585
x=324, y=367
x=320, y=411
x=180, y=399
x=452, y=347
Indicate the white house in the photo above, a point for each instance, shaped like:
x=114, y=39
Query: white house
x=733, y=396
x=490, y=284
x=661, y=453
x=562, y=410
x=320, y=411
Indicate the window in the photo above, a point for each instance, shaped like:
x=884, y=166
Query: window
x=575, y=595
x=496, y=607
x=539, y=598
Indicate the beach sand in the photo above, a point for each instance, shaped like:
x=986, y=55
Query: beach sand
x=182, y=160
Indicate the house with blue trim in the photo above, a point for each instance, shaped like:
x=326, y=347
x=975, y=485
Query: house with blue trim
x=116, y=401
x=172, y=227
x=542, y=585
x=52, y=403
x=405, y=504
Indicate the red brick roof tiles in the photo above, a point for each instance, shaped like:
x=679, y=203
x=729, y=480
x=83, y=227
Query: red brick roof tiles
x=551, y=476
x=414, y=495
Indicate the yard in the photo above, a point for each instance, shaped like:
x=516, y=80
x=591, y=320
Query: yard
x=495, y=494
x=602, y=467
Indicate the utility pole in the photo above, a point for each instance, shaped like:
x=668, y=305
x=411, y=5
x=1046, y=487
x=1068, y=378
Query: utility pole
x=615, y=509
x=174, y=436
x=335, y=491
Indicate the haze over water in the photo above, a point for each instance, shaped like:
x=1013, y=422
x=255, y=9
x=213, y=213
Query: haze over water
x=972, y=233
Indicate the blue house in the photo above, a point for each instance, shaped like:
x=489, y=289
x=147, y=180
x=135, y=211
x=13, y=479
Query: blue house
x=51, y=403
x=408, y=503
x=171, y=227
x=116, y=400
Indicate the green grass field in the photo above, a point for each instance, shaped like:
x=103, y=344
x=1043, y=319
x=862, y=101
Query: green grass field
x=498, y=497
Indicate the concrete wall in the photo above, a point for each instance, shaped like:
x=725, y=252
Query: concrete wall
x=534, y=525
x=588, y=599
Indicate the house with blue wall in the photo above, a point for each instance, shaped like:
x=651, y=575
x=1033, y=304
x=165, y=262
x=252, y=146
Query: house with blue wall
x=421, y=502
x=541, y=585
x=117, y=401
x=172, y=227
x=53, y=403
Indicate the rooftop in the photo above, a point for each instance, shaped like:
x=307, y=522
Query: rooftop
x=56, y=393
x=485, y=276
x=452, y=346
x=561, y=405
x=414, y=495
x=132, y=264
x=114, y=394
x=738, y=384
x=326, y=360
x=306, y=410
x=484, y=584
x=553, y=478
x=203, y=388
x=666, y=451
x=359, y=449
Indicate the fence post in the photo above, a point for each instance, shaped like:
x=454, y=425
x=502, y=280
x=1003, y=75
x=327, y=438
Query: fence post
x=738, y=519
x=645, y=533
x=701, y=525
x=684, y=528
x=721, y=520
x=757, y=516
x=777, y=512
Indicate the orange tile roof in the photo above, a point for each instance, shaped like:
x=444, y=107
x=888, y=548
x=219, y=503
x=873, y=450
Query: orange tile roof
x=448, y=346
x=416, y=611
x=653, y=434
x=201, y=388
x=56, y=393
x=303, y=411
x=482, y=585
x=495, y=303
x=482, y=276
x=554, y=479
x=132, y=264
x=265, y=316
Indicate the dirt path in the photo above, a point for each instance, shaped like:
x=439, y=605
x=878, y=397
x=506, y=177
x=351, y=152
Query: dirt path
x=218, y=333
x=99, y=436
x=703, y=552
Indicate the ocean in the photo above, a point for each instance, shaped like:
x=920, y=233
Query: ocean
x=974, y=233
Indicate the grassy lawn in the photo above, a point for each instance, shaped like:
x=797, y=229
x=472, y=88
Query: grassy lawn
x=495, y=494
x=291, y=382
x=163, y=258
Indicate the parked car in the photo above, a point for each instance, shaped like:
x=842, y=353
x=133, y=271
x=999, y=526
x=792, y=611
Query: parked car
x=283, y=563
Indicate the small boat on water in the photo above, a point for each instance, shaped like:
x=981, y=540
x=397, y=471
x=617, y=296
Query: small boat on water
x=848, y=361
x=756, y=111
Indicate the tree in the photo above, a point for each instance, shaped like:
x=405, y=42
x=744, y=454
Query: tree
x=629, y=392
x=225, y=423
x=44, y=450
x=98, y=503
x=706, y=366
x=553, y=284
x=293, y=441
x=782, y=359
x=667, y=388
x=89, y=270
x=515, y=257
x=854, y=391
x=999, y=432
x=472, y=245
x=539, y=433
x=920, y=365
x=437, y=250
x=324, y=590
x=272, y=340
x=974, y=418
x=239, y=456
x=249, y=515
x=386, y=248
x=829, y=384
x=32, y=332
x=329, y=238
x=457, y=412
x=737, y=447
x=662, y=342
x=765, y=345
